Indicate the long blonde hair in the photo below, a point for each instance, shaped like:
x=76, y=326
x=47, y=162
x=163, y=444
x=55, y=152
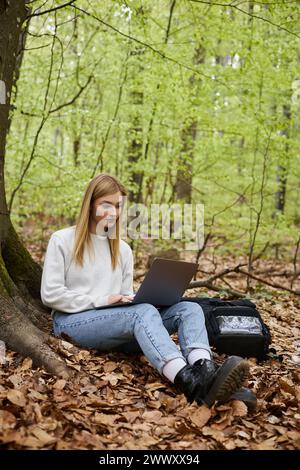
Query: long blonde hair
x=101, y=185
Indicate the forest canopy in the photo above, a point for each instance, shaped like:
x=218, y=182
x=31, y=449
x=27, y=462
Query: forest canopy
x=152, y=90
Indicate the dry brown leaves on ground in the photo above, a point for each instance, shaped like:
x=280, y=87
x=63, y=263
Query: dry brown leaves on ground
x=121, y=402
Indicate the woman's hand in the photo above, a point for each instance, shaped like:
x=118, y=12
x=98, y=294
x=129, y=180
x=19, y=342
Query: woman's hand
x=127, y=298
x=114, y=298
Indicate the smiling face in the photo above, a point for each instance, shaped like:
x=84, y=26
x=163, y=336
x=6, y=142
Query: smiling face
x=105, y=211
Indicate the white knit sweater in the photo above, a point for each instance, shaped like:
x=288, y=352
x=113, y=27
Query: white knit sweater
x=70, y=288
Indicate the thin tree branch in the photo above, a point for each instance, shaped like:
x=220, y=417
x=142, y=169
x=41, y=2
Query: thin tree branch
x=72, y=101
x=230, y=5
x=156, y=51
x=263, y=281
x=207, y=285
x=35, y=48
x=225, y=271
x=51, y=10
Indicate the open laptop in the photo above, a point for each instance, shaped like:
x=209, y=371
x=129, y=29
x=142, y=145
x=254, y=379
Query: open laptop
x=164, y=283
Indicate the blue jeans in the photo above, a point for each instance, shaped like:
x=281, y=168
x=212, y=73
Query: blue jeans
x=137, y=328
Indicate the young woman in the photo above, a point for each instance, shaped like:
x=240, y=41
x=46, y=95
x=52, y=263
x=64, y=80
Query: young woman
x=86, y=267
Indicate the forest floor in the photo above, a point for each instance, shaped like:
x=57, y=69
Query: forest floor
x=120, y=401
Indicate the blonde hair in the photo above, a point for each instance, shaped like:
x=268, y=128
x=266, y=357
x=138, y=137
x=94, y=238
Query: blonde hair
x=101, y=185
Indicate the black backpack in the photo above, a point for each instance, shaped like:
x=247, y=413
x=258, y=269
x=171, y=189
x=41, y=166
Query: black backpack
x=235, y=327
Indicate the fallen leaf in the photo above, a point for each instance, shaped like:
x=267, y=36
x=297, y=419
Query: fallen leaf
x=295, y=359
x=273, y=419
x=111, y=378
x=131, y=416
x=287, y=386
x=7, y=420
x=43, y=436
x=60, y=384
x=110, y=366
x=16, y=397
x=27, y=363
x=67, y=345
x=219, y=436
x=295, y=436
x=154, y=386
x=268, y=444
x=200, y=416
x=16, y=380
x=36, y=395
x=105, y=419
x=243, y=434
x=153, y=416
x=239, y=408
x=29, y=441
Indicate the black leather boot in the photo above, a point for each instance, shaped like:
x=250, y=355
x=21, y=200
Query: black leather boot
x=219, y=383
x=243, y=394
x=187, y=380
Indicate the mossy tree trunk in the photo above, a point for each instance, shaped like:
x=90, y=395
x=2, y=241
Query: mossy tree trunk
x=24, y=321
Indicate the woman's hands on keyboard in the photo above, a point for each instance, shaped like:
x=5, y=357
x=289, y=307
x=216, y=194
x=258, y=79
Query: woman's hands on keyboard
x=114, y=298
x=127, y=298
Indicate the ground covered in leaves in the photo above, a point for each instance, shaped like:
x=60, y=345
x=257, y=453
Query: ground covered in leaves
x=120, y=402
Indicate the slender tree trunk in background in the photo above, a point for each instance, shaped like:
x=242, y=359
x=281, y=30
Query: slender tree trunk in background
x=135, y=147
x=281, y=192
x=23, y=319
x=78, y=126
x=282, y=169
x=150, y=186
x=147, y=147
x=135, y=136
x=135, y=133
x=184, y=177
x=241, y=143
x=76, y=150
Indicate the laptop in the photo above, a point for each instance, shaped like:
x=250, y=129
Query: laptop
x=163, y=285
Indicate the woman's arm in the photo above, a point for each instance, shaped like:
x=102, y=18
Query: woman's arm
x=54, y=293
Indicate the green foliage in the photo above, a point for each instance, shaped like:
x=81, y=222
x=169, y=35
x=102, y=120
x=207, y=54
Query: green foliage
x=232, y=74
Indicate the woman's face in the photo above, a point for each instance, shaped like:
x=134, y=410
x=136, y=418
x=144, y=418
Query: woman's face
x=106, y=210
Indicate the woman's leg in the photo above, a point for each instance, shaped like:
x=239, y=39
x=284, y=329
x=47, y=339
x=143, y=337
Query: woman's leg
x=219, y=383
x=187, y=318
x=106, y=329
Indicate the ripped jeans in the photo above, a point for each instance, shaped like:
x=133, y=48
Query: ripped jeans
x=137, y=328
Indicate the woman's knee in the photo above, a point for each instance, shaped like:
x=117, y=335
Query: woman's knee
x=146, y=310
x=191, y=307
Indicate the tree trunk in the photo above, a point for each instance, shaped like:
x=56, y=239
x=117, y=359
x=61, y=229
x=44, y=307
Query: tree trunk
x=184, y=176
x=135, y=147
x=282, y=169
x=24, y=321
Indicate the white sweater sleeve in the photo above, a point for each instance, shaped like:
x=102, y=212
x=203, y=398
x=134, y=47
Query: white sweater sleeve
x=127, y=278
x=54, y=293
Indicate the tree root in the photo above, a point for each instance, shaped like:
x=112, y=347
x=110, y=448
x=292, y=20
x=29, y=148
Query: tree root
x=20, y=328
